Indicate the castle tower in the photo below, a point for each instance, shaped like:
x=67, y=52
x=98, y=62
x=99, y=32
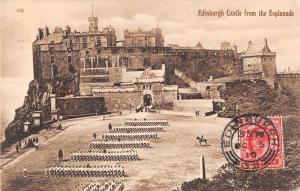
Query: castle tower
x=93, y=22
x=259, y=59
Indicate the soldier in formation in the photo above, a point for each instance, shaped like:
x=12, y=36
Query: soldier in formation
x=129, y=136
x=137, y=129
x=119, y=155
x=104, y=186
x=85, y=171
x=100, y=144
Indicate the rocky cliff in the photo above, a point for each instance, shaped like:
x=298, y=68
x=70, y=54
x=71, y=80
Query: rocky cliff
x=38, y=99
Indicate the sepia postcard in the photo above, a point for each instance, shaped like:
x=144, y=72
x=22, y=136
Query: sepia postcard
x=153, y=95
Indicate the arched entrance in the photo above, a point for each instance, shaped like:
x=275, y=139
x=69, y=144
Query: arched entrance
x=147, y=100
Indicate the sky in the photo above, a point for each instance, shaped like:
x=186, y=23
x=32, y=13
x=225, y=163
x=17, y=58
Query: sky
x=178, y=20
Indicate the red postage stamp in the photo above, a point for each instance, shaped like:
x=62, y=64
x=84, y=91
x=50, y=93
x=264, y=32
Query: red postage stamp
x=252, y=142
x=259, y=143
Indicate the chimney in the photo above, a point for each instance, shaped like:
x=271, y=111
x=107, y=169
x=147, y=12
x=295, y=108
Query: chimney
x=68, y=29
x=202, y=167
x=40, y=34
x=235, y=50
x=266, y=42
x=46, y=31
x=65, y=33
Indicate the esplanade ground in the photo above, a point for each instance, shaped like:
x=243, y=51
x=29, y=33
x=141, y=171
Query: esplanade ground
x=171, y=160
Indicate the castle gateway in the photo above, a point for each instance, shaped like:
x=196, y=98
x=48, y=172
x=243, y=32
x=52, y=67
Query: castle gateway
x=145, y=88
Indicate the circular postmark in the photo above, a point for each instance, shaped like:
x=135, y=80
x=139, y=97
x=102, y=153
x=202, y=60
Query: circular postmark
x=250, y=142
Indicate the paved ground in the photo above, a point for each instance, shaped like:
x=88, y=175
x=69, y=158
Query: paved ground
x=173, y=158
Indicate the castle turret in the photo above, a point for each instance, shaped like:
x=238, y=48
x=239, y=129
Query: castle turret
x=259, y=59
x=93, y=24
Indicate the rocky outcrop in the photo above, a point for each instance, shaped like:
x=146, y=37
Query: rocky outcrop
x=38, y=99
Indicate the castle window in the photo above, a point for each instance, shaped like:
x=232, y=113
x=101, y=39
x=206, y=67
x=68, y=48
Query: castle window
x=69, y=59
x=84, y=45
x=99, y=51
x=84, y=39
x=77, y=39
x=208, y=88
x=87, y=52
x=52, y=59
x=115, y=51
x=98, y=39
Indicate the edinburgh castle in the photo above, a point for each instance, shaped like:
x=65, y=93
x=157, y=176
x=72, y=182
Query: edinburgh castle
x=83, y=73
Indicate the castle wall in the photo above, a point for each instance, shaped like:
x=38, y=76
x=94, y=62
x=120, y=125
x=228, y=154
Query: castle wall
x=269, y=66
x=163, y=97
x=210, y=90
x=199, y=64
x=115, y=74
x=42, y=62
x=204, y=105
x=116, y=101
x=78, y=106
x=252, y=65
x=290, y=81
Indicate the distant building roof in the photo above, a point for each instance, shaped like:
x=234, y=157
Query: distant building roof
x=254, y=48
x=53, y=37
